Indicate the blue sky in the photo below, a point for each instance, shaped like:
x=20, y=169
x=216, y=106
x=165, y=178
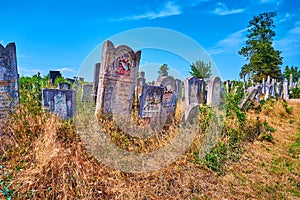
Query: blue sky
x=59, y=35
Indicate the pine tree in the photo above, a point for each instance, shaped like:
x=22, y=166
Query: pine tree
x=263, y=59
x=200, y=69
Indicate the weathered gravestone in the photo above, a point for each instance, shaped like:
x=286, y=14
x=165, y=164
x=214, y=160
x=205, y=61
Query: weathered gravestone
x=291, y=84
x=64, y=86
x=214, y=91
x=151, y=101
x=87, y=93
x=285, y=89
x=192, y=86
x=228, y=84
x=61, y=102
x=247, y=99
x=279, y=89
x=9, y=92
x=96, y=78
x=117, y=79
x=139, y=84
x=178, y=89
x=54, y=75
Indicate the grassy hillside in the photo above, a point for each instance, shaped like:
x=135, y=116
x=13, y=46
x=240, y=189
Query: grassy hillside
x=41, y=157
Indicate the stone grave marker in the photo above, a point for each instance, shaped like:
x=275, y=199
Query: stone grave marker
x=214, y=91
x=139, y=85
x=291, y=84
x=54, y=75
x=87, y=93
x=285, y=89
x=247, y=99
x=117, y=79
x=61, y=102
x=192, y=86
x=279, y=89
x=96, y=78
x=151, y=101
x=9, y=92
x=64, y=86
x=178, y=89
x=228, y=86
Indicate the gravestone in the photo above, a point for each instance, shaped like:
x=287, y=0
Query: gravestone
x=151, y=101
x=267, y=92
x=64, y=86
x=71, y=80
x=54, y=75
x=117, y=79
x=61, y=102
x=279, y=89
x=9, y=92
x=228, y=86
x=285, y=89
x=247, y=99
x=214, y=91
x=263, y=86
x=178, y=89
x=139, y=85
x=96, y=78
x=167, y=82
x=192, y=86
x=87, y=93
x=191, y=114
x=291, y=84
x=169, y=103
x=272, y=89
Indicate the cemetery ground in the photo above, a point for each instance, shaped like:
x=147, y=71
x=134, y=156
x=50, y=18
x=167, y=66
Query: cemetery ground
x=257, y=157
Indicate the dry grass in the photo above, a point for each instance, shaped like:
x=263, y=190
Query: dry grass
x=44, y=159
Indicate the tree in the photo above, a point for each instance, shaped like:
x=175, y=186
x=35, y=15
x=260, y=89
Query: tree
x=163, y=70
x=201, y=69
x=263, y=59
x=293, y=70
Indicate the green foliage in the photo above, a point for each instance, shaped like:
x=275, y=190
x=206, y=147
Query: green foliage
x=263, y=59
x=200, y=69
x=216, y=157
x=294, y=93
x=293, y=70
x=163, y=70
x=5, y=184
x=31, y=91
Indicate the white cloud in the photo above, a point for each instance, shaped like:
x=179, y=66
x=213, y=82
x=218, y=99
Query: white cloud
x=277, y=2
x=169, y=9
x=296, y=29
x=66, y=69
x=232, y=43
x=222, y=9
x=28, y=72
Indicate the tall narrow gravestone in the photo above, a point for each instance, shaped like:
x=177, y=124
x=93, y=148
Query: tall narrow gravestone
x=117, y=79
x=192, y=87
x=96, y=77
x=87, y=93
x=214, y=91
x=61, y=102
x=9, y=92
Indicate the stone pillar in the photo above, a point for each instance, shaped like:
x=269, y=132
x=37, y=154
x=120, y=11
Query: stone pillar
x=285, y=89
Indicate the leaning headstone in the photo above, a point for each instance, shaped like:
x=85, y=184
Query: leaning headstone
x=192, y=86
x=96, y=77
x=117, y=79
x=191, y=114
x=285, y=89
x=214, y=91
x=64, y=86
x=61, y=102
x=87, y=93
x=151, y=101
x=247, y=99
x=9, y=92
x=54, y=75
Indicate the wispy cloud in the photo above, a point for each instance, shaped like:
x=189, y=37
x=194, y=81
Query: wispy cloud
x=28, y=72
x=169, y=9
x=222, y=9
x=66, y=69
x=296, y=29
x=277, y=2
x=232, y=43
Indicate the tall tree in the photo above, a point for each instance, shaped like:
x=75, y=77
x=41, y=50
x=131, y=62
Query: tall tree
x=201, y=69
x=293, y=70
x=263, y=59
x=163, y=70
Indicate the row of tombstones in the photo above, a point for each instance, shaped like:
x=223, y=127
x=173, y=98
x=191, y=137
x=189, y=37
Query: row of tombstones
x=115, y=88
